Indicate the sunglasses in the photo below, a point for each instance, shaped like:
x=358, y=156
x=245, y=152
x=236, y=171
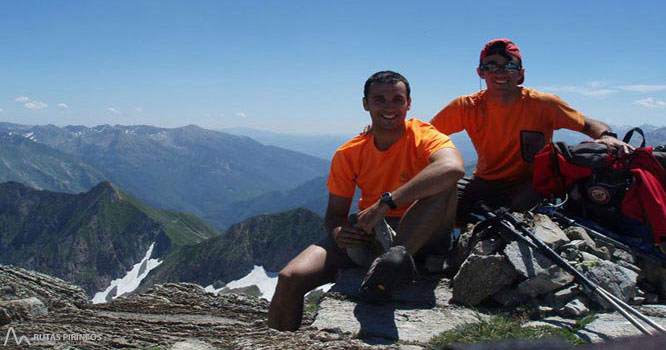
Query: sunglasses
x=494, y=67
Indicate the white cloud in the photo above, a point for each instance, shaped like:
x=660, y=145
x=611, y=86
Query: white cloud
x=596, y=84
x=35, y=105
x=1, y=110
x=62, y=106
x=593, y=89
x=601, y=88
x=241, y=114
x=138, y=109
x=650, y=102
x=30, y=103
x=112, y=110
x=643, y=88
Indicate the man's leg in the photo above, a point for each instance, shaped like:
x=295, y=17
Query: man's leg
x=524, y=196
x=426, y=226
x=516, y=195
x=313, y=267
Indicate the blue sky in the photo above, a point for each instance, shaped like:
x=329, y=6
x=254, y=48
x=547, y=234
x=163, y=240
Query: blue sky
x=299, y=66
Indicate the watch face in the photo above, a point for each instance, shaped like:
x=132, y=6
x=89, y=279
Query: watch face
x=388, y=199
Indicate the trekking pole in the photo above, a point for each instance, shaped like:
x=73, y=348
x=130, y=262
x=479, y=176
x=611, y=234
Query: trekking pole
x=512, y=224
x=600, y=236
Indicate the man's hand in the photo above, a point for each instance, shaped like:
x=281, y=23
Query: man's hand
x=595, y=129
x=348, y=236
x=371, y=216
x=613, y=144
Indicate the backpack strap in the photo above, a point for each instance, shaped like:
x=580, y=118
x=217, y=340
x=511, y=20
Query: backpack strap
x=630, y=133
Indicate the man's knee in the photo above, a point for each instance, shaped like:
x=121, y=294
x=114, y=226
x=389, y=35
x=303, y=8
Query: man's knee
x=291, y=279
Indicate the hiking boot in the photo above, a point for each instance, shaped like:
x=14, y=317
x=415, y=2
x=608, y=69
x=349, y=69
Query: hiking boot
x=385, y=273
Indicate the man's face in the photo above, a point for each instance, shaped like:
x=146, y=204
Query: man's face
x=501, y=80
x=388, y=105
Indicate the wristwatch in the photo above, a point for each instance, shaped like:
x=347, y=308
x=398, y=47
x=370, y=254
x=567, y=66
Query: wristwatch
x=387, y=198
x=608, y=133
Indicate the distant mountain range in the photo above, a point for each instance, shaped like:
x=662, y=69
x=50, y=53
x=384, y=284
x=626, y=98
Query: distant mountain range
x=187, y=169
x=40, y=166
x=89, y=238
x=322, y=146
x=312, y=195
x=654, y=136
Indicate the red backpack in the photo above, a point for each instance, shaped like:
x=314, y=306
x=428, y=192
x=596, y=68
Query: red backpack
x=614, y=192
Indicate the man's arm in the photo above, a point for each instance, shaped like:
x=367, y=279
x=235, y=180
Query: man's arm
x=594, y=128
x=445, y=169
x=338, y=226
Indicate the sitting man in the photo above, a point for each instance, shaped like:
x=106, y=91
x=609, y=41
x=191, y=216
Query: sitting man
x=406, y=171
x=508, y=124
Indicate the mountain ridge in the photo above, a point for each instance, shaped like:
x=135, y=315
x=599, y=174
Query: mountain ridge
x=233, y=254
x=88, y=238
x=188, y=169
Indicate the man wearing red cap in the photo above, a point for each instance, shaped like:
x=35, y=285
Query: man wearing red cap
x=508, y=124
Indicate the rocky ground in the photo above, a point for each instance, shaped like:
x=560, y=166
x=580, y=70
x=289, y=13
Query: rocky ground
x=40, y=311
x=51, y=314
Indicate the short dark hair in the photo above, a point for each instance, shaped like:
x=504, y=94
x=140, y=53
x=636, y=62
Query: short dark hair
x=385, y=77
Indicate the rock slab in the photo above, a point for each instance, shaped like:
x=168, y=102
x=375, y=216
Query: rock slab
x=481, y=276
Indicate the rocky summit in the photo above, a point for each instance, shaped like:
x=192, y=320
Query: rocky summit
x=485, y=276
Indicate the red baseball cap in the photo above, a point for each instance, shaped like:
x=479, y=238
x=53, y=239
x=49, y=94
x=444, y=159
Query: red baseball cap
x=509, y=48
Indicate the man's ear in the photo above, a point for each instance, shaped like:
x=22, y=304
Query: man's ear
x=365, y=103
x=480, y=73
x=409, y=103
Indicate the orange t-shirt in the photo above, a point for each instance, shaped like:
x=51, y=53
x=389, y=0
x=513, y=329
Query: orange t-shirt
x=359, y=163
x=506, y=137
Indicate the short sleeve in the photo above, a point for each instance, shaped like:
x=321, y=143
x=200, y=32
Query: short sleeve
x=565, y=117
x=449, y=120
x=341, y=178
x=431, y=141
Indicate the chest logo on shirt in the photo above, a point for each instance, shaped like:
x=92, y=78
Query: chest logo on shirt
x=404, y=177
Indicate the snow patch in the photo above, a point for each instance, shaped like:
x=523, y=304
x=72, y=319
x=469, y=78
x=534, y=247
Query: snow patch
x=266, y=281
x=131, y=280
x=30, y=136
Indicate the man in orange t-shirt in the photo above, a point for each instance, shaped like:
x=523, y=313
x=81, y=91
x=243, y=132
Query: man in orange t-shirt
x=508, y=124
x=407, y=173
